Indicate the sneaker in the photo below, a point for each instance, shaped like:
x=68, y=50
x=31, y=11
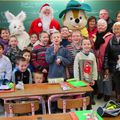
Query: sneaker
x=106, y=98
x=93, y=102
x=100, y=95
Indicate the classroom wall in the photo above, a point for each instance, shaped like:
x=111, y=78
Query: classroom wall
x=31, y=7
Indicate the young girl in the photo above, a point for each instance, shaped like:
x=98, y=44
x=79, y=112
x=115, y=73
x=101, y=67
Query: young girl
x=13, y=50
x=27, y=55
x=85, y=67
x=4, y=38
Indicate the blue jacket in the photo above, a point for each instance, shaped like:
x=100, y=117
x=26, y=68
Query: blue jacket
x=58, y=71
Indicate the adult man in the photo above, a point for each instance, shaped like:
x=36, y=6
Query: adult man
x=104, y=14
x=45, y=22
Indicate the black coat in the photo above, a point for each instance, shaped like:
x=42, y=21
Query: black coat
x=111, y=54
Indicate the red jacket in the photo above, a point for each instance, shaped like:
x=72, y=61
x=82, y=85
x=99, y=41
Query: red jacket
x=36, y=26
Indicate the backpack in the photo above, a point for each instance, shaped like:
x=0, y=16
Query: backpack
x=111, y=108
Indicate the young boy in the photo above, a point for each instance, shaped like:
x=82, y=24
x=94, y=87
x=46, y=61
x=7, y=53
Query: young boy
x=57, y=57
x=38, y=54
x=5, y=65
x=64, y=35
x=38, y=77
x=21, y=72
x=13, y=50
x=85, y=67
x=33, y=40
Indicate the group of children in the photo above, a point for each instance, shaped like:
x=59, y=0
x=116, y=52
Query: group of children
x=64, y=54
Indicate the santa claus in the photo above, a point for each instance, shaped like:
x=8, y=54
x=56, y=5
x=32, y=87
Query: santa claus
x=45, y=21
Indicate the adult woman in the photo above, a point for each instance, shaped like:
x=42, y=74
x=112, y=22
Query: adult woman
x=102, y=39
x=92, y=29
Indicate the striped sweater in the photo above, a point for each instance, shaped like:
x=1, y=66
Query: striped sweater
x=38, y=58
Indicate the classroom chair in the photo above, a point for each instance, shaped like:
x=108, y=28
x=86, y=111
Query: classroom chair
x=78, y=103
x=21, y=108
x=23, y=105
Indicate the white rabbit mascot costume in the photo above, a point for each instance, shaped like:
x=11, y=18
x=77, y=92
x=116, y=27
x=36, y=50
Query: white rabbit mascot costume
x=17, y=28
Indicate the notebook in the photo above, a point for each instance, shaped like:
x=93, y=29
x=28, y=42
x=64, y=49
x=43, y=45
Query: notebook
x=84, y=114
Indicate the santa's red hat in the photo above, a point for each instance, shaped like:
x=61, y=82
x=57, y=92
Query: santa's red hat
x=46, y=6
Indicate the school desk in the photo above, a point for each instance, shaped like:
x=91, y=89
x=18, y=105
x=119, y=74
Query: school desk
x=43, y=89
x=53, y=90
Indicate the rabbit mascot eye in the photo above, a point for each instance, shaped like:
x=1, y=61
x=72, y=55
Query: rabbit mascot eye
x=17, y=28
x=74, y=16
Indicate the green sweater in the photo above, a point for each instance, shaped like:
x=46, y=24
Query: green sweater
x=85, y=67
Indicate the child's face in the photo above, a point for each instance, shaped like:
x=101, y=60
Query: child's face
x=13, y=42
x=1, y=51
x=44, y=38
x=64, y=32
x=5, y=34
x=38, y=78
x=27, y=56
x=33, y=38
x=76, y=37
x=56, y=38
x=116, y=30
x=86, y=46
x=118, y=18
x=22, y=66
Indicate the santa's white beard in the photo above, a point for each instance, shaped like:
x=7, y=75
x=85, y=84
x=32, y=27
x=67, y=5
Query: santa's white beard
x=46, y=20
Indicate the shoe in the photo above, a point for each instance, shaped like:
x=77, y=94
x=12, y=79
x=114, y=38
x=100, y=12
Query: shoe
x=93, y=102
x=100, y=95
x=106, y=98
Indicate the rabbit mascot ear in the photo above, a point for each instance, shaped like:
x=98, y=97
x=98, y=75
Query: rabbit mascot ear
x=9, y=16
x=21, y=16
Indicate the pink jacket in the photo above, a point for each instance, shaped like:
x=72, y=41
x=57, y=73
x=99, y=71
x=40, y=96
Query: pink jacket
x=101, y=52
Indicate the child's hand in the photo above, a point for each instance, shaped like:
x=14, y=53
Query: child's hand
x=58, y=61
x=56, y=48
x=44, y=71
x=92, y=83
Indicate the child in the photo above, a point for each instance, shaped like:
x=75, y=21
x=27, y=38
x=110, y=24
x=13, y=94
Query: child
x=57, y=57
x=5, y=65
x=38, y=77
x=33, y=40
x=13, y=50
x=27, y=55
x=4, y=38
x=64, y=35
x=21, y=72
x=74, y=48
x=38, y=54
x=85, y=67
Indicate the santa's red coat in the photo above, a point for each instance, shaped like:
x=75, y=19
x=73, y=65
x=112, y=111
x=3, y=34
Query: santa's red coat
x=36, y=26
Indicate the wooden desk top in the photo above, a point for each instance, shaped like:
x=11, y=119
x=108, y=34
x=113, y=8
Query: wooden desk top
x=44, y=117
x=59, y=116
x=43, y=89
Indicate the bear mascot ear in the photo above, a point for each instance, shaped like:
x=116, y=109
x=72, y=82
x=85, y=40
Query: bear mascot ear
x=74, y=16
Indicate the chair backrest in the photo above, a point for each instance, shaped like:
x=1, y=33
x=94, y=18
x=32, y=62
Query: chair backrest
x=22, y=107
x=73, y=103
